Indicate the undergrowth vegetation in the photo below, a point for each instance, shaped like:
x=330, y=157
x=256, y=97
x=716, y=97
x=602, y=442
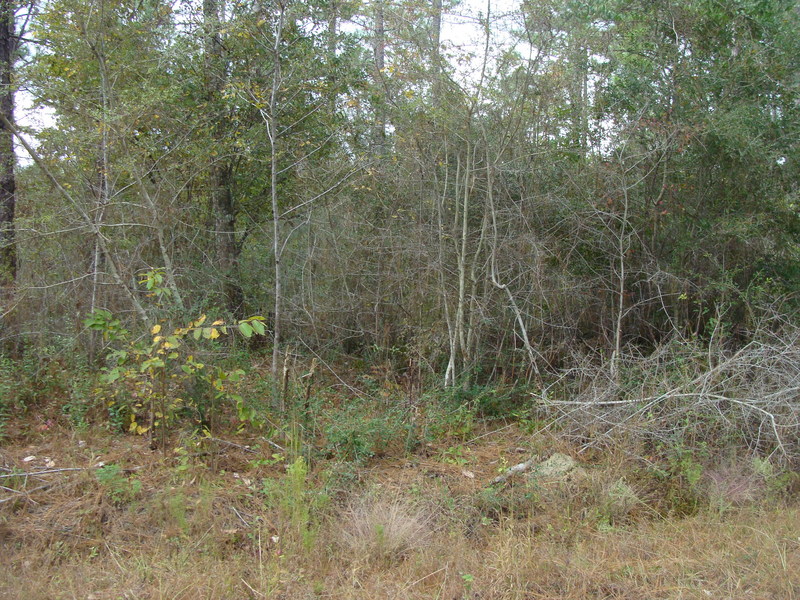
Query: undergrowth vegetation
x=685, y=480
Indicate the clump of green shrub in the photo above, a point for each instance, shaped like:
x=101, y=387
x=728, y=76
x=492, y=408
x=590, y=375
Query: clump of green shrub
x=365, y=429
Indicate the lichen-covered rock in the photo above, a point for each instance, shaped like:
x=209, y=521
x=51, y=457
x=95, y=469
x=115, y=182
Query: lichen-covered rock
x=557, y=466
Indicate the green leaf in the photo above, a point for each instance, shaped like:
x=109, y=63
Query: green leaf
x=259, y=327
x=246, y=329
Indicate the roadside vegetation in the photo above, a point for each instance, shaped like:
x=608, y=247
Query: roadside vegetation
x=317, y=299
x=352, y=489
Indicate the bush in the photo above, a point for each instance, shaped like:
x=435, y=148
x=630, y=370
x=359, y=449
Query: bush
x=363, y=430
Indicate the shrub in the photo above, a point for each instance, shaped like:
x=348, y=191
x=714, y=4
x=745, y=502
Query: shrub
x=361, y=431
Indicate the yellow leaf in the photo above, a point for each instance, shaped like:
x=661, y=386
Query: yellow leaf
x=155, y=329
x=214, y=334
x=217, y=322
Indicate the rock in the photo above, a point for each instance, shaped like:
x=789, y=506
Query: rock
x=557, y=466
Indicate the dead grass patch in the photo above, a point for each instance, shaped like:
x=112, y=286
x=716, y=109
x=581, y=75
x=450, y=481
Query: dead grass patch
x=200, y=533
x=380, y=529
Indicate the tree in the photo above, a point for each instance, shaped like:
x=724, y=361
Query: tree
x=9, y=41
x=222, y=165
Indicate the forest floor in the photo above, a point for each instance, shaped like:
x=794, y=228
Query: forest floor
x=93, y=515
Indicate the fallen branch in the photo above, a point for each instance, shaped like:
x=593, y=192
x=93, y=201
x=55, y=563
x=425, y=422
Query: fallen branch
x=515, y=470
x=233, y=444
x=29, y=492
x=46, y=472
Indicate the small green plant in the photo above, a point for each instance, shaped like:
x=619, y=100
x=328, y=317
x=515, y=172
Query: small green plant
x=298, y=502
x=456, y=455
x=468, y=580
x=79, y=401
x=21, y=381
x=145, y=382
x=683, y=477
x=274, y=459
x=121, y=488
x=362, y=431
x=444, y=422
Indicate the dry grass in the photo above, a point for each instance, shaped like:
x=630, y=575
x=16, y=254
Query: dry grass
x=205, y=533
x=377, y=529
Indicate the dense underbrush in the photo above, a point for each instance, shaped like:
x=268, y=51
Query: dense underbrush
x=338, y=483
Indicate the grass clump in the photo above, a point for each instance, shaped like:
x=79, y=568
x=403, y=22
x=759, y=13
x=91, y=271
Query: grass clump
x=382, y=530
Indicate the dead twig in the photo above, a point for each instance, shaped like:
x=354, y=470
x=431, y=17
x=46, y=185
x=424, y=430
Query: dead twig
x=233, y=445
x=46, y=472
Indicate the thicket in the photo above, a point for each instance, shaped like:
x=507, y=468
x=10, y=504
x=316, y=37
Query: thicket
x=590, y=223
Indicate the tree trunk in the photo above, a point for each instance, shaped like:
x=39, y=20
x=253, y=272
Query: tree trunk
x=436, y=38
x=221, y=171
x=8, y=250
x=272, y=134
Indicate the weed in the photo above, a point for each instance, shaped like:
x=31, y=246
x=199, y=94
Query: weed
x=443, y=421
x=79, y=401
x=120, y=488
x=361, y=431
x=300, y=506
x=456, y=455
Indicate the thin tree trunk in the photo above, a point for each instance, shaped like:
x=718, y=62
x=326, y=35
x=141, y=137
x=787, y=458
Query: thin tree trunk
x=436, y=39
x=622, y=250
x=169, y=269
x=462, y=258
x=8, y=249
x=523, y=330
x=449, y=374
x=333, y=30
x=272, y=134
x=102, y=192
x=112, y=265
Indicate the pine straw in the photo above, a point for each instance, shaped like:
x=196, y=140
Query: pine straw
x=207, y=534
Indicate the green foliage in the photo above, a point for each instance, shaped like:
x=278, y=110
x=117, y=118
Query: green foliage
x=7, y=393
x=145, y=384
x=44, y=375
x=494, y=502
x=362, y=430
x=682, y=479
x=300, y=503
x=107, y=324
x=120, y=487
x=450, y=414
x=80, y=399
